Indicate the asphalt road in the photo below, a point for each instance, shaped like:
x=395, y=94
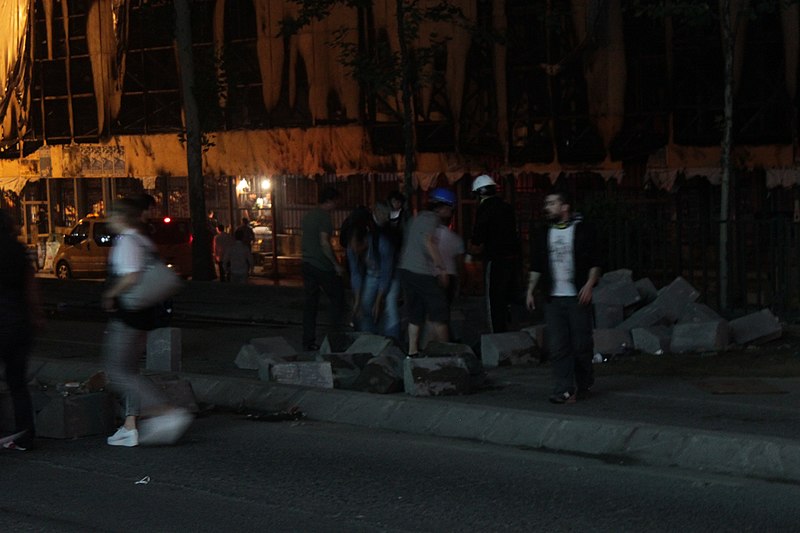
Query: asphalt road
x=234, y=474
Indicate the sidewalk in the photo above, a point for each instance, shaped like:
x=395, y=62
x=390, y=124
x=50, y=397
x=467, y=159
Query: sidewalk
x=663, y=421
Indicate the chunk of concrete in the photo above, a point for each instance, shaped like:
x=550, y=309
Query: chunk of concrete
x=304, y=373
x=435, y=376
x=537, y=332
x=759, y=327
x=368, y=343
x=497, y=348
x=381, y=375
x=646, y=289
x=696, y=312
x=651, y=314
x=275, y=346
x=248, y=357
x=337, y=341
x=76, y=415
x=611, y=341
x=615, y=276
x=622, y=292
x=455, y=349
x=674, y=297
x=265, y=364
x=179, y=391
x=607, y=316
x=164, y=350
x=700, y=337
x=653, y=340
x=346, y=367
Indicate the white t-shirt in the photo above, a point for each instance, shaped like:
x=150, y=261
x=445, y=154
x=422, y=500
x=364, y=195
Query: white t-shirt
x=561, y=243
x=129, y=253
x=451, y=245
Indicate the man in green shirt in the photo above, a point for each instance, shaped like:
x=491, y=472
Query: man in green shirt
x=321, y=270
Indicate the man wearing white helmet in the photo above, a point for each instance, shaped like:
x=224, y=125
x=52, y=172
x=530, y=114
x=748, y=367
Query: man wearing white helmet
x=495, y=237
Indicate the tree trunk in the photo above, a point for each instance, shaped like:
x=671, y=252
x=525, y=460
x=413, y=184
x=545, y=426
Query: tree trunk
x=408, y=112
x=202, y=265
x=728, y=46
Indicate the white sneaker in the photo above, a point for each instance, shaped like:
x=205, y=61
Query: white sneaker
x=166, y=428
x=124, y=437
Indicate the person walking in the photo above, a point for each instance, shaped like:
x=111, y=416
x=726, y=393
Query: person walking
x=223, y=241
x=238, y=260
x=321, y=270
x=423, y=275
x=495, y=237
x=371, y=257
x=566, y=266
x=20, y=316
x=126, y=338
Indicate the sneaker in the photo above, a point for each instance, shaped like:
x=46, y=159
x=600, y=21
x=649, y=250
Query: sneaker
x=124, y=437
x=12, y=445
x=166, y=428
x=564, y=397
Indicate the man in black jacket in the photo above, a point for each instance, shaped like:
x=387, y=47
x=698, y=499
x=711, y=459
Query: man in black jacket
x=566, y=266
x=495, y=237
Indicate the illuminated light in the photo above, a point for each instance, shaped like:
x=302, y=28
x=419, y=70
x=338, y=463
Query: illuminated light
x=266, y=184
x=167, y=220
x=242, y=187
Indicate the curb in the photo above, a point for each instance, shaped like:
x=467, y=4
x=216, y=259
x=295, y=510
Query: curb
x=736, y=454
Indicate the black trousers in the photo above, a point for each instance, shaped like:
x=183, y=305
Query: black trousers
x=15, y=344
x=570, y=343
x=500, y=277
x=314, y=282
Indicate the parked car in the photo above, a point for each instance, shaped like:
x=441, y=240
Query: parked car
x=84, y=252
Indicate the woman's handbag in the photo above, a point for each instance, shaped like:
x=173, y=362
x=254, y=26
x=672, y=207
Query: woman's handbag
x=157, y=283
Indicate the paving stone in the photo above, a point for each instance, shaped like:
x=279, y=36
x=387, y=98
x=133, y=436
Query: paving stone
x=247, y=357
x=178, y=390
x=537, y=332
x=611, y=341
x=381, y=375
x=653, y=340
x=497, y=348
x=647, y=290
x=700, y=337
x=435, y=376
x=164, y=350
x=674, y=297
x=304, y=373
x=277, y=346
x=75, y=415
x=759, y=327
x=607, y=316
x=621, y=292
x=368, y=343
x=697, y=312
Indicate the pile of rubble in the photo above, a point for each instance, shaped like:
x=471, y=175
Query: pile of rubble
x=633, y=315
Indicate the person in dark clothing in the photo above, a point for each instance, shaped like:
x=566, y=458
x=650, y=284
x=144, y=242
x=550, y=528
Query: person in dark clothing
x=19, y=317
x=495, y=237
x=565, y=265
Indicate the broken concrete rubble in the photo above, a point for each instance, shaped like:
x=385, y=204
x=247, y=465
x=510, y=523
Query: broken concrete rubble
x=435, y=376
x=654, y=340
x=304, y=373
x=759, y=327
x=513, y=346
x=700, y=337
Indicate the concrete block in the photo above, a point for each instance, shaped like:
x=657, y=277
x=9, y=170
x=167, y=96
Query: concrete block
x=695, y=312
x=164, y=350
x=650, y=315
x=276, y=346
x=622, y=292
x=265, y=364
x=607, y=316
x=700, y=337
x=674, y=297
x=306, y=374
x=346, y=367
x=247, y=357
x=537, y=332
x=337, y=341
x=615, y=276
x=381, y=375
x=647, y=290
x=368, y=343
x=435, y=376
x=611, y=341
x=653, y=340
x=499, y=348
x=76, y=415
x=454, y=349
x=759, y=327
x=178, y=390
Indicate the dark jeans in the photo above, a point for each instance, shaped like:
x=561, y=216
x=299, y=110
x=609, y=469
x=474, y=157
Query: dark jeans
x=569, y=342
x=500, y=277
x=315, y=280
x=15, y=343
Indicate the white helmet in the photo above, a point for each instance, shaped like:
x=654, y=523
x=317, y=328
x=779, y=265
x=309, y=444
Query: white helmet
x=482, y=181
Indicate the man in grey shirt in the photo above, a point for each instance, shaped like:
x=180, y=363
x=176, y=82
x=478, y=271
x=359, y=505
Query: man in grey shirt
x=321, y=270
x=423, y=275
